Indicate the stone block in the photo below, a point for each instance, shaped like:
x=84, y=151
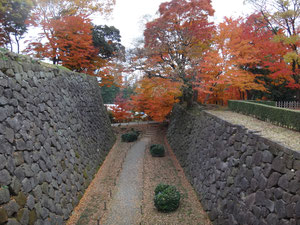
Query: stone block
x=10, y=134
x=273, y=179
x=13, y=222
x=18, y=158
x=297, y=209
x=33, y=217
x=12, y=207
x=23, y=216
x=30, y=202
x=26, y=185
x=5, y=178
x=20, y=199
x=260, y=198
x=296, y=165
x=283, y=182
x=290, y=210
x=4, y=195
x=279, y=164
x=272, y=219
x=267, y=156
x=280, y=209
x=20, y=144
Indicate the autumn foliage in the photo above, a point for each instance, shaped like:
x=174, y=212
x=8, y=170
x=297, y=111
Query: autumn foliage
x=175, y=42
x=156, y=97
x=70, y=44
x=122, y=111
x=184, y=57
x=224, y=72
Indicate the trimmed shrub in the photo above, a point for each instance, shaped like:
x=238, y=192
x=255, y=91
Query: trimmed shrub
x=278, y=116
x=167, y=198
x=157, y=150
x=160, y=188
x=130, y=136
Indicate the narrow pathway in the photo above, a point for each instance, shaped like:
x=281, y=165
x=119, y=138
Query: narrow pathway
x=123, y=190
x=125, y=207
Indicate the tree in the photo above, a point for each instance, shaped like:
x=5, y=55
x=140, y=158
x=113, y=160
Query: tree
x=282, y=18
x=225, y=71
x=122, y=111
x=272, y=69
x=156, y=97
x=108, y=41
x=49, y=14
x=13, y=16
x=109, y=93
x=69, y=45
x=176, y=41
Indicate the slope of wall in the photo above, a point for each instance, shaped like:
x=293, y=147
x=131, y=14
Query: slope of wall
x=54, y=135
x=241, y=177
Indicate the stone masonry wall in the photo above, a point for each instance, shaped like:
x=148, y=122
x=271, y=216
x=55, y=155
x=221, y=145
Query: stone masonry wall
x=241, y=177
x=54, y=135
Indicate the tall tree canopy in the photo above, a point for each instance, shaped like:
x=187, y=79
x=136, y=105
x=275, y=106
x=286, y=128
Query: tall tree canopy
x=176, y=41
x=225, y=72
x=282, y=17
x=70, y=44
x=13, y=15
x=66, y=36
x=107, y=40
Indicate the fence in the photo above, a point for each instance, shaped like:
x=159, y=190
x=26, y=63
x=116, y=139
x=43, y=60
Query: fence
x=288, y=105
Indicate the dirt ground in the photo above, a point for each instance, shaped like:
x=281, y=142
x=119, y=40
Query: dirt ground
x=167, y=170
x=93, y=206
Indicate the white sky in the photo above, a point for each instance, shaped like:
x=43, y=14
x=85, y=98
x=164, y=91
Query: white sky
x=128, y=14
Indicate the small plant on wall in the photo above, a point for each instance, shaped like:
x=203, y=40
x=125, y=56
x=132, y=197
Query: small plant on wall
x=167, y=198
x=157, y=150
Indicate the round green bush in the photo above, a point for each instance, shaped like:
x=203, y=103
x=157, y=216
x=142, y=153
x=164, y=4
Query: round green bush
x=130, y=136
x=160, y=188
x=157, y=150
x=166, y=198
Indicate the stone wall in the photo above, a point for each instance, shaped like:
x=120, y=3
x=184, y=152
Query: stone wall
x=241, y=177
x=54, y=135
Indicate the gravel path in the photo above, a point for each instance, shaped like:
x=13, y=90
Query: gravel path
x=278, y=134
x=125, y=207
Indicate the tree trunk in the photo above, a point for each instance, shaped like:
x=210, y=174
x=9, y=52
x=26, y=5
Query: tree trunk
x=18, y=44
x=188, y=95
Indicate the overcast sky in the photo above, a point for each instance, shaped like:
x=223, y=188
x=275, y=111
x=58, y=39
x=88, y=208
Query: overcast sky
x=128, y=14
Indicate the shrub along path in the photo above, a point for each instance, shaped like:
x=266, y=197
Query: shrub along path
x=123, y=189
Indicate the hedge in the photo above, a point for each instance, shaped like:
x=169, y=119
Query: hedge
x=270, y=103
x=279, y=116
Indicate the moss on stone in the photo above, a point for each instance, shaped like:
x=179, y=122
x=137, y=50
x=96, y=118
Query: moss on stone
x=76, y=168
x=63, y=165
x=77, y=154
x=80, y=196
x=88, y=167
x=85, y=174
x=20, y=214
x=32, y=217
x=21, y=199
x=3, y=216
x=45, y=188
